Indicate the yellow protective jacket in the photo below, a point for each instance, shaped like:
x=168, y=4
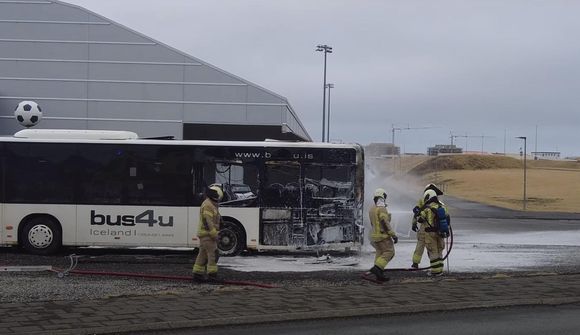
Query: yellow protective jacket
x=380, y=222
x=209, y=220
x=429, y=216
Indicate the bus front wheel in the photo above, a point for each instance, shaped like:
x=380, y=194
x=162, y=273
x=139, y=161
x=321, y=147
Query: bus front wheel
x=231, y=239
x=41, y=236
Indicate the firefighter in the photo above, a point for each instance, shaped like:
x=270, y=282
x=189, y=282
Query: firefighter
x=207, y=232
x=434, y=242
x=420, y=229
x=382, y=236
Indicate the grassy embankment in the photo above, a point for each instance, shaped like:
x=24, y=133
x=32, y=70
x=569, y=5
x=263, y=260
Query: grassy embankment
x=497, y=180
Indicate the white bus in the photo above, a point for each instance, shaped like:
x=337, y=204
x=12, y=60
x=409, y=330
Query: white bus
x=105, y=188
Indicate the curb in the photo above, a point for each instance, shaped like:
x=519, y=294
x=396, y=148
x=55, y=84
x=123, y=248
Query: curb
x=318, y=315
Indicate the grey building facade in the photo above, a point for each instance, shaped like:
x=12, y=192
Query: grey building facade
x=88, y=72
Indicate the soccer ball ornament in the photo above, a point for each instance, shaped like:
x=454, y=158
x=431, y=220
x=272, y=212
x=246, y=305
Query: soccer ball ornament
x=28, y=113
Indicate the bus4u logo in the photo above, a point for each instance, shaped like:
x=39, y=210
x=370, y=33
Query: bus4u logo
x=147, y=217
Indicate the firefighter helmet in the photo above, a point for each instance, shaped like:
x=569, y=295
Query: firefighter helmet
x=434, y=188
x=380, y=193
x=429, y=195
x=215, y=193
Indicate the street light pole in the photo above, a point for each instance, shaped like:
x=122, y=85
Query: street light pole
x=329, y=86
x=525, y=154
x=326, y=49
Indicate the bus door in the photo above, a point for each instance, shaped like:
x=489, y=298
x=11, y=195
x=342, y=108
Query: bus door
x=282, y=210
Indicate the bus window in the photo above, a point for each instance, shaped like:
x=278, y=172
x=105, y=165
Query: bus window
x=101, y=177
x=158, y=175
x=40, y=173
x=281, y=185
x=238, y=181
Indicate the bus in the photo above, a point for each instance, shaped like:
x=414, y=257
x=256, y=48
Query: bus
x=112, y=189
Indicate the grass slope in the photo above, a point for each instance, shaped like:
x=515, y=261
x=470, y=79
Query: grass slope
x=551, y=185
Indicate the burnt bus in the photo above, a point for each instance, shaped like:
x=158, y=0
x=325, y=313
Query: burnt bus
x=107, y=188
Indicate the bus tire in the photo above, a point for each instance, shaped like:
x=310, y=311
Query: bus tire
x=232, y=239
x=41, y=235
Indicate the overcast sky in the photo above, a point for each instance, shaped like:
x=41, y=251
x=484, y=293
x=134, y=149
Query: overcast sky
x=469, y=67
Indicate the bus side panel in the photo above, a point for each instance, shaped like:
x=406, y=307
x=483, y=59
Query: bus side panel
x=248, y=217
x=193, y=214
x=132, y=226
x=65, y=214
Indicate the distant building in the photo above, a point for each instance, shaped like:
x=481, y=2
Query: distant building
x=381, y=150
x=440, y=149
x=546, y=154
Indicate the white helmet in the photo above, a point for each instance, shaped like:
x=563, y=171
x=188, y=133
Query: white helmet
x=429, y=194
x=434, y=188
x=215, y=193
x=380, y=193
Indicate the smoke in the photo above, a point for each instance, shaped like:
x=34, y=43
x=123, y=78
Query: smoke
x=403, y=191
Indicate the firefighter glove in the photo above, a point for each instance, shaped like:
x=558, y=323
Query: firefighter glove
x=420, y=219
x=444, y=234
x=415, y=228
x=395, y=239
x=416, y=210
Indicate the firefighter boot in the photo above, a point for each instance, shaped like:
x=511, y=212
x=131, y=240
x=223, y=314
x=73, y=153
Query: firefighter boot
x=212, y=277
x=198, y=278
x=378, y=272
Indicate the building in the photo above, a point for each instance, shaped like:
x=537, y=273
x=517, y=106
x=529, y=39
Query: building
x=382, y=150
x=554, y=155
x=440, y=149
x=88, y=72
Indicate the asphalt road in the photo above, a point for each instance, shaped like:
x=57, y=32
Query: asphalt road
x=534, y=320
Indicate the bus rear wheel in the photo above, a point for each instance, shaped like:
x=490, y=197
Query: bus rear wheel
x=41, y=235
x=231, y=239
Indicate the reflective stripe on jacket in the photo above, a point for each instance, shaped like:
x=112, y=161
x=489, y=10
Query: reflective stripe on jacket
x=380, y=222
x=209, y=220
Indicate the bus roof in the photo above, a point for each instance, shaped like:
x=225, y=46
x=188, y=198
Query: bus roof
x=128, y=137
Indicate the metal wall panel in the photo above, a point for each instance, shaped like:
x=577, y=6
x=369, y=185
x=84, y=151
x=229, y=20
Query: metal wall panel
x=214, y=93
x=134, y=53
x=50, y=70
x=143, y=111
x=129, y=91
x=264, y=114
x=41, y=12
x=136, y=72
x=38, y=50
x=113, y=33
x=214, y=113
x=43, y=31
x=45, y=89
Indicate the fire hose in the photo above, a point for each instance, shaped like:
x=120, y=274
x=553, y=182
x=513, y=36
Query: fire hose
x=74, y=262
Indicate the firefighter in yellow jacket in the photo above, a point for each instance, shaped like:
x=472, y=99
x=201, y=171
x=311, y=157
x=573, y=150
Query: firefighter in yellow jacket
x=207, y=232
x=434, y=242
x=383, y=237
x=420, y=228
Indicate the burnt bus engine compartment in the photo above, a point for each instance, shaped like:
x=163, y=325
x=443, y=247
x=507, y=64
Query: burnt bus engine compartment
x=324, y=212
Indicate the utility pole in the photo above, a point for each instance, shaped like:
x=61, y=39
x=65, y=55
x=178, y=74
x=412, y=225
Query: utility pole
x=329, y=86
x=326, y=49
x=525, y=154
